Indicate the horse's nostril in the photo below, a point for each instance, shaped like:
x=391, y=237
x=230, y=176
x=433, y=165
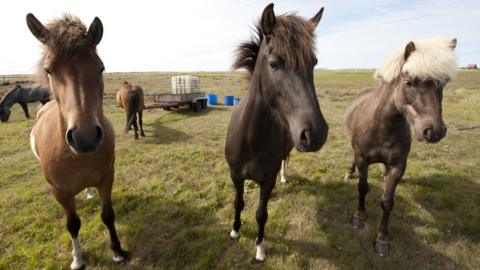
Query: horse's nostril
x=99, y=133
x=427, y=133
x=69, y=136
x=305, y=137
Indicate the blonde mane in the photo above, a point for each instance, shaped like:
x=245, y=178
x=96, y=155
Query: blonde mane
x=432, y=59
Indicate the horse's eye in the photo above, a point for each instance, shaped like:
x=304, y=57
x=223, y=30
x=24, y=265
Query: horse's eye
x=315, y=62
x=48, y=71
x=409, y=83
x=102, y=70
x=273, y=65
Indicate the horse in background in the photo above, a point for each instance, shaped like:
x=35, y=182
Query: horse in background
x=23, y=95
x=73, y=139
x=280, y=111
x=410, y=93
x=131, y=98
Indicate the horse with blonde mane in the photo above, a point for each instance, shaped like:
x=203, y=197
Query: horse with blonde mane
x=72, y=138
x=131, y=98
x=409, y=94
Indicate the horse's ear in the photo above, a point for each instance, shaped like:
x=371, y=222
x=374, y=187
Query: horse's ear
x=408, y=50
x=37, y=28
x=453, y=44
x=268, y=20
x=316, y=19
x=95, y=31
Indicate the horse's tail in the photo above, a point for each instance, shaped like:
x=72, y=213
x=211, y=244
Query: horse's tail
x=132, y=108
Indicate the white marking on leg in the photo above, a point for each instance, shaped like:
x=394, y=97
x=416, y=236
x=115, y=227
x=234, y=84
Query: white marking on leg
x=90, y=193
x=32, y=145
x=260, y=256
x=283, y=172
x=77, y=252
x=234, y=234
x=118, y=258
x=348, y=176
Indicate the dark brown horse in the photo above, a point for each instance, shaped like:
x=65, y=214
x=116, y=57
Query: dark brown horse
x=72, y=138
x=410, y=94
x=280, y=111
x=130, y=97
x=22, y=95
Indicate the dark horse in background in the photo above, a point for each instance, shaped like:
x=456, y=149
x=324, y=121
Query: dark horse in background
x=23, y=95
x=410, y=94
x=280, y=111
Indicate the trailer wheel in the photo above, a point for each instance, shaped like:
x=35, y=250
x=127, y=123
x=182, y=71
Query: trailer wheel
x=204, y=103
x=197, y=106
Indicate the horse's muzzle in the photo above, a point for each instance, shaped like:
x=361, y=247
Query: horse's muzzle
x=86, y=141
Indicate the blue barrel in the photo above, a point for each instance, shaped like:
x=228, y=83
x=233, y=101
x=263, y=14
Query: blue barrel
x=228, y=100
x=236, y=101
x=212, y=99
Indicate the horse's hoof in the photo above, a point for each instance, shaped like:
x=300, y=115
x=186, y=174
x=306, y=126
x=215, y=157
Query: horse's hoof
x=121, y=256
x=136, y=137
x=143, y=134
x=382, y=248
x=77, y=265
x=283, y=180
x=234, y=235
x=358, y=223
x=260, y=256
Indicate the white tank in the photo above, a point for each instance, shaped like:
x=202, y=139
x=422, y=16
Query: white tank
x=185, y=84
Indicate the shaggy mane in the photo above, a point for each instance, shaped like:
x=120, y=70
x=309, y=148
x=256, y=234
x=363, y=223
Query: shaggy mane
x=67, y=37
x=293, y=39
x=431, y=59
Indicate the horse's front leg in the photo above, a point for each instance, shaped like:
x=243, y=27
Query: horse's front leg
x=360, y=216
x=394, y=174
x=67, y=201
x=108, y=218
x=262, y=215
x=25, y=109
x=239, y=204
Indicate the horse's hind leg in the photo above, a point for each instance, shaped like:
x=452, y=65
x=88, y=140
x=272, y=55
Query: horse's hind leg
x=359, y=218
x=395, y=173
x=351, y=171
x=108, y=218
x=262, y=216
x=67, y=200
x=140, y=122
x=239, y=204
x=135, y=126
x=25, y=109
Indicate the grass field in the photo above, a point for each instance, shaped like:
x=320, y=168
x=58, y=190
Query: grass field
x=174, y=200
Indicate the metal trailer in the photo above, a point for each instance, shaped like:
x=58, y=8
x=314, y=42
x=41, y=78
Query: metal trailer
x=166, y=101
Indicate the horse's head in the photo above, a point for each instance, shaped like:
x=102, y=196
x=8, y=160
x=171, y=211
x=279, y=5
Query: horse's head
x=284, y=66
x=419, y=89
x=74, y=73
x=4, y=114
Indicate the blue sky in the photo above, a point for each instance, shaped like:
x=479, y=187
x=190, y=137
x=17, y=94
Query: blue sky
x=201, y=35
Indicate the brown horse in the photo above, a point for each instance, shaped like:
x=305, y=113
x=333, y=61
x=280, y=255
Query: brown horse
x=72, y=138
x=410, y=94
x=280, y=111
x=130, y=97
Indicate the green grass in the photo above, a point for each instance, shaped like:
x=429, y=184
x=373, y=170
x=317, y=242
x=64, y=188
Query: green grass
x=174, y=200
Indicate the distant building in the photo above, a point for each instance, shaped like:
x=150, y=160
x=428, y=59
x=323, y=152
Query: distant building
x=472, y=66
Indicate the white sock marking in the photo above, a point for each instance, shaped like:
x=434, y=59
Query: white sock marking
x=234, y=234
x=260, y=256
x=283, y=172
x=77, y=252
x=90, y=193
